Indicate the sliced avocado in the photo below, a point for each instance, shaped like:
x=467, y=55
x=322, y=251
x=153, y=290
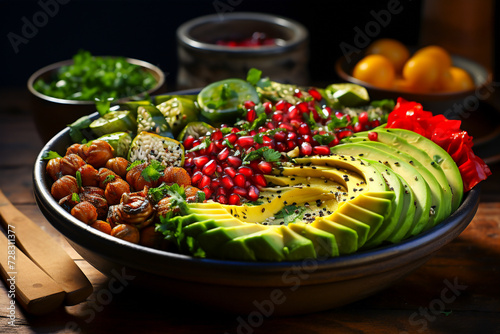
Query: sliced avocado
x=347, y=238
x=212, y=239
x=423, y=196
x=296, y=247
x=441, y=157
x=441, y=201
x=387, y=137
x=361, y=228
x=337, y=163
x=371, y=218
x=236, y=249
x=267, y=245
x=195, y=229
x=403, y=218
x=324, y=243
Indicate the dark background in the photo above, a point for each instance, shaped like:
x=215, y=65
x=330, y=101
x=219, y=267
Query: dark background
x=146, y=30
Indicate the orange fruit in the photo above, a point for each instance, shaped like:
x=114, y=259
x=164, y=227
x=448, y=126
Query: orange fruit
x=376, y=70
x=442, y=56
x=422, y=73
x=394, y=50
x=460, y=80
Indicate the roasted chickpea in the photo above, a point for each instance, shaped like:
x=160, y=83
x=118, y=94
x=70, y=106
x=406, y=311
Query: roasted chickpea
x=70, y=164
x=115, y=190
x=151, y=238
x=176, y=175
x=102, y=226
x=75, y=149
x=136, y=180
x=118, y=165
x=53, y=168
x=85, y=212
x=98, y=201
x=93, y=191
x=90, y=175
x=191, y=193
x=106, y=176
x=126, y=232
x=97, y=153
x=64, y=186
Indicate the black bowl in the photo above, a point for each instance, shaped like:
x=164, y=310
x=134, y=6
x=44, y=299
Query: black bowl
x=277, y=288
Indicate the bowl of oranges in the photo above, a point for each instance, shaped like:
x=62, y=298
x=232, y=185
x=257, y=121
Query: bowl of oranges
x=389, y=69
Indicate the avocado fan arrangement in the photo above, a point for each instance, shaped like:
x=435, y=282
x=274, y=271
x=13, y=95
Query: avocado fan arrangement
x=256, y=170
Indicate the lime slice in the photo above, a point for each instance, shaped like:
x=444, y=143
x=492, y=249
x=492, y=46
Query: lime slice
x=178, y=112
x=348, y=94
x=150, y=146
x=120, y=141
x=220, y=100
x=196, y=130
x=114, y=121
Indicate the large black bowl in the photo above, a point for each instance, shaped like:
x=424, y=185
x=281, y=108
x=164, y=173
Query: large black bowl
x=282, y=288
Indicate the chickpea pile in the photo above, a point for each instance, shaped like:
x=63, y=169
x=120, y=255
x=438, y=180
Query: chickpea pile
x=388, y=64
x=112, y=197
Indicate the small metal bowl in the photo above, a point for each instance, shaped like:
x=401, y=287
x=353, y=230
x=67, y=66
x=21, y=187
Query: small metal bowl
x=202, y=61
x=52, y=114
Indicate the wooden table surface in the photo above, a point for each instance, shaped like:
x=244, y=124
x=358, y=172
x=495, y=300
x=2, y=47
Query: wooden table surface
x=413, y=305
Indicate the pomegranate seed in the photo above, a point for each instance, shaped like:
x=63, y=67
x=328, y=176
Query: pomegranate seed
x=220, y=191
x=358, y=127
x=303, y=107
x=305, y=148
x=188, y=162
x=280, y=136
x=363, y=118
x=216, y=135
x=196, y=177
x=220, y=144
x=287, y=126
x=375, y=123
x=259, y=180
x=215, y=183
x=245, y=141
x=211, y=148
x=231, y=138
x=290, y=144
x=239, y=191
x=315, y=94
x=201, y=160
x=188, y=142
x=230, y=171
x=223, y=154
x=239, y=180
x=334, y=142
x=234, y=161
x=209, y=168
x=280, y=105
x=204, y=182
x=227, y=182
x=327, y=110
x=262, y=129
x=298, y=93
x=265, y=167
x=373, y=136
x=254, y=165
x=253, y=193
x=252, y=133
x=249, y=104
x=234, y=199
x=344, y=133
x=277, y=117
x=270, y=125
x=307, y=138
x=218, y=169
x=251, y=115
x=321, y=150
x=208, y=192
x=293, y=112
x=280, y=147
x=268, y=107
x=222, y=199
x=247, y=171
x=303, y=129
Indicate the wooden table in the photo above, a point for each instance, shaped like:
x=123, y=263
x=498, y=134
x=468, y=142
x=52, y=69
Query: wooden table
x=416, y=304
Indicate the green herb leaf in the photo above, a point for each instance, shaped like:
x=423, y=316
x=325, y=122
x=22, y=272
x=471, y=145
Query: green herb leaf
x=324, y=139
x=253, y=76
x=290, y=213
x=271, y=155
x=150, y=174
x=78, y=177
x=75, y=198
x=48, y=155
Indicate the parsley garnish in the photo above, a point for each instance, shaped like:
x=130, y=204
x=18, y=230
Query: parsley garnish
x=48, y=155
x=153, y=171
x=324, y=139
x=290, y=213
x=265, y=152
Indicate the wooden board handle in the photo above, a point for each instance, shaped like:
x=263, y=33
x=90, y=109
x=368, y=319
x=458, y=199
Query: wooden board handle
x=34, y=290
x=46, y=253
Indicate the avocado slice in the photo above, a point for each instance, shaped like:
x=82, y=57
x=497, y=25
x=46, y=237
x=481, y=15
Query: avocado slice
x=441, y=157
x=195, y=229
x=212, y=239
x=347, y=238
x=417, y=183
x=441, y=201
x=404, y=210
x=324, y=243
x=267, y=245
x=296, y=247
x=387, y=137
x=361, y=228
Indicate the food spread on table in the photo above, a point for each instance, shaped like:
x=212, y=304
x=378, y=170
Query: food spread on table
x=257, y=170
